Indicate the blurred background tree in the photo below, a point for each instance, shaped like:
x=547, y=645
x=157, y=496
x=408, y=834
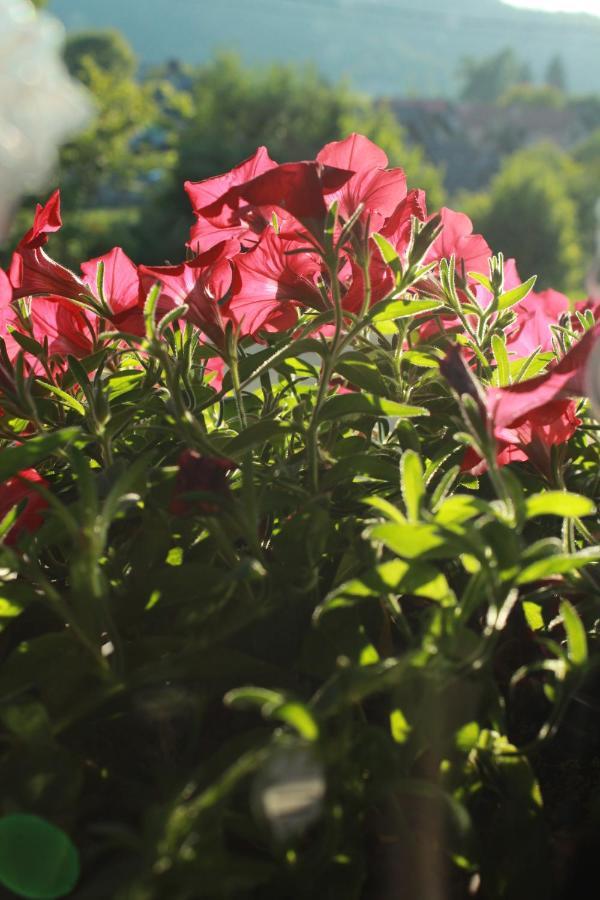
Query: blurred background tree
x=108, y=50
x=556, y=74
x=486, y=80
x=530, y=213
x=122, y=180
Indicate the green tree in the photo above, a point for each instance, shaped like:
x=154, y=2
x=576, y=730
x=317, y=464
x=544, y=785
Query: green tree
x=486, y=80
x=539, y=95
x=587, y=188
x=101, y=162
x=292, y=111
x=108, y=50
x=530, y=214
x=556, y=75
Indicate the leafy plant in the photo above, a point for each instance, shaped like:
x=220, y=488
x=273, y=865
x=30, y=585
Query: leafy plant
x=299, y=562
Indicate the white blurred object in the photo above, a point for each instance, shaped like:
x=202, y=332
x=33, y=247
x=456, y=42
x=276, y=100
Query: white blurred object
x=40, y=104
x=289, y=792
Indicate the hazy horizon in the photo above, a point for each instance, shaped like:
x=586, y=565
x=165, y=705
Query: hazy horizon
x=588, y=6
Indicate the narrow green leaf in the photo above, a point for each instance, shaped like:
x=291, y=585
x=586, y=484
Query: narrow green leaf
x=362, y=374
x=390, y=578
x=276, y=705
x=254, y=435
x=576, y=638
x=389, y=254
x=420, y=360
x=298, y=716
x=33, y=451
x=483, y=280
x=501, y=357
x=178, y=312
x=150, y=306
x=413, y=483
x=248, y=697
x=559, y=503
x=510, y=298
x=356, y=404
x=386, y=310
x=459, y=509
x=388, y=509
x=559, y=564
x=69, y=401
x=533, y=615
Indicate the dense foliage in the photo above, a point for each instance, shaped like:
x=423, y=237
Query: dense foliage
x=299, y=560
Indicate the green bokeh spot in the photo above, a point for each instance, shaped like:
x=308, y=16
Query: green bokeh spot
x=37, y=859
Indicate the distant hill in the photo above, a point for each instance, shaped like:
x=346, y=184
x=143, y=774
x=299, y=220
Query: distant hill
x=384, y=47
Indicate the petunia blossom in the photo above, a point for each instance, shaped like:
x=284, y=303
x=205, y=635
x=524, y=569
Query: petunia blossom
x=67, y=328
x=18, y=490
x=216, y=205
x=203, y=284
x=471, y=251
x=297, y=190
x=531, y=416
x=32, y=272
x=204, y=474
x=272, y=281
x=380, y=190
x=120, y=289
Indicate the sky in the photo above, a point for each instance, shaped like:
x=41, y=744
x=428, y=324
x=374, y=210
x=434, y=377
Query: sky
x=589, y=6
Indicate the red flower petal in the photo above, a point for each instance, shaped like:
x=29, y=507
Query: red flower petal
x=273, y=282
x=457, y=239
x=15, y=490
x=46, y=221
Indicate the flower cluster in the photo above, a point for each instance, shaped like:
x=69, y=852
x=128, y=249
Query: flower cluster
x=320, y=243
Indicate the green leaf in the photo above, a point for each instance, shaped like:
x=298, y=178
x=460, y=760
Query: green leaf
x=533, y=615
x=386, y=310
x=69, y=401
x=362, y=374
x=411, y=540
x=254, y=435
x=576, y=638
x=389, y=254
x=466, y=737
x=178, y=312
x=421, y=360
x=510, y=298
x=298, y=717
x=33, y=451
x=253, y=365
x=388, y=509
x=368, y=405
x=249, y=697
x=413, y=483
x=399, y=727
x=459, y=509
x=559, y=503
x=150, y=307
x=482, y=279
x=276, y=705
x=393, y=577
x=501, y=357
x=559, y=564
x=360, y=465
